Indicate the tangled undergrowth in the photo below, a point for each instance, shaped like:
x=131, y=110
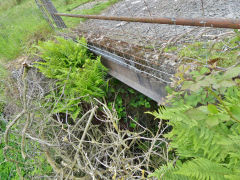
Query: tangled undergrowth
x=86, y=127
x=78, y=122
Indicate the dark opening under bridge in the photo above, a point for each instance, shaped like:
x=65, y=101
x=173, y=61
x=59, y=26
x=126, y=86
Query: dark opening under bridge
x=144, y=75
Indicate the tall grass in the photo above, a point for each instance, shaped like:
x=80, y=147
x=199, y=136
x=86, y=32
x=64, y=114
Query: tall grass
x=23, y=23
x=17, y=23
x=96, y=9
x=4, y=5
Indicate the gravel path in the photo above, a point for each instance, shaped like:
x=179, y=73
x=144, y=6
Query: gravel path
x=160, y=8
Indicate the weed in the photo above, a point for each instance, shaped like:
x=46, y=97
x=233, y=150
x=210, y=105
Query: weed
x=127, y=102
x=29, y=170
x=225, y=53
x=171, y=49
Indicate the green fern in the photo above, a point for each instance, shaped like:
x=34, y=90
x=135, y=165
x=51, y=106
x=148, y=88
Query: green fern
x=205, y=136
x=203, y=169
x=168, y=172
x=78, y=75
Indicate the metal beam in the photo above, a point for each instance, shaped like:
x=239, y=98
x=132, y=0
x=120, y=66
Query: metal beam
x=148, y=86
x=201, y=22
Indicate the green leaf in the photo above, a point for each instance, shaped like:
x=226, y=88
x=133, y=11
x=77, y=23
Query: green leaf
x=187, y=85
x=76, y=113
x=203, y=169
x=212, y=109
x=195, y=87
x=224, y=117
x=196, y=114
x=224, y=83
x=204, y=70
x=132, y=125
x=208, y=80
x=203, y=109
x=235, y=110
x=232, y=177
x=147, y=105
x=212, y=121
x=131, y=91
x=233, y=72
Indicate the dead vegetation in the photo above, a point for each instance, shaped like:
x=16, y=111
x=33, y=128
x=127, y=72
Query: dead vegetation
x=92, y=147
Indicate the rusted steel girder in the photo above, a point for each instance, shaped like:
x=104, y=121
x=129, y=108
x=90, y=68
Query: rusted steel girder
x=202, y=22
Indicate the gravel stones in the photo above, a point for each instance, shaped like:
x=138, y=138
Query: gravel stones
x=162, y=8
x=156, y=36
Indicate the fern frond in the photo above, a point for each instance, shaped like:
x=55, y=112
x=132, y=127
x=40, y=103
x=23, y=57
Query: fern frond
x=203, y=169
x=70, y=63
x=167, y=172
x=173, y=113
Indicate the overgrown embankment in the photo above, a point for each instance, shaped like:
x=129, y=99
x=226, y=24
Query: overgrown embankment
x=80, y=123
x=98, y=111
x=195, y=138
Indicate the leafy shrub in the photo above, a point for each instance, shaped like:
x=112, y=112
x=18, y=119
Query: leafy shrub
x=128, y=102
x=205, y=120
x=78, y=75
x=28, y=167
x=223, y=52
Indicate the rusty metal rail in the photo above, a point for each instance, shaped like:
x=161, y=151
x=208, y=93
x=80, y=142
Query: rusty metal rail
x=201, y=22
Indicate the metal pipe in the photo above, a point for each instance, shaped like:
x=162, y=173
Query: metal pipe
x=202, y=22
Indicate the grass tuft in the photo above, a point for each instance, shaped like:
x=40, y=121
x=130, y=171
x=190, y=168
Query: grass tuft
x=22, y=25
